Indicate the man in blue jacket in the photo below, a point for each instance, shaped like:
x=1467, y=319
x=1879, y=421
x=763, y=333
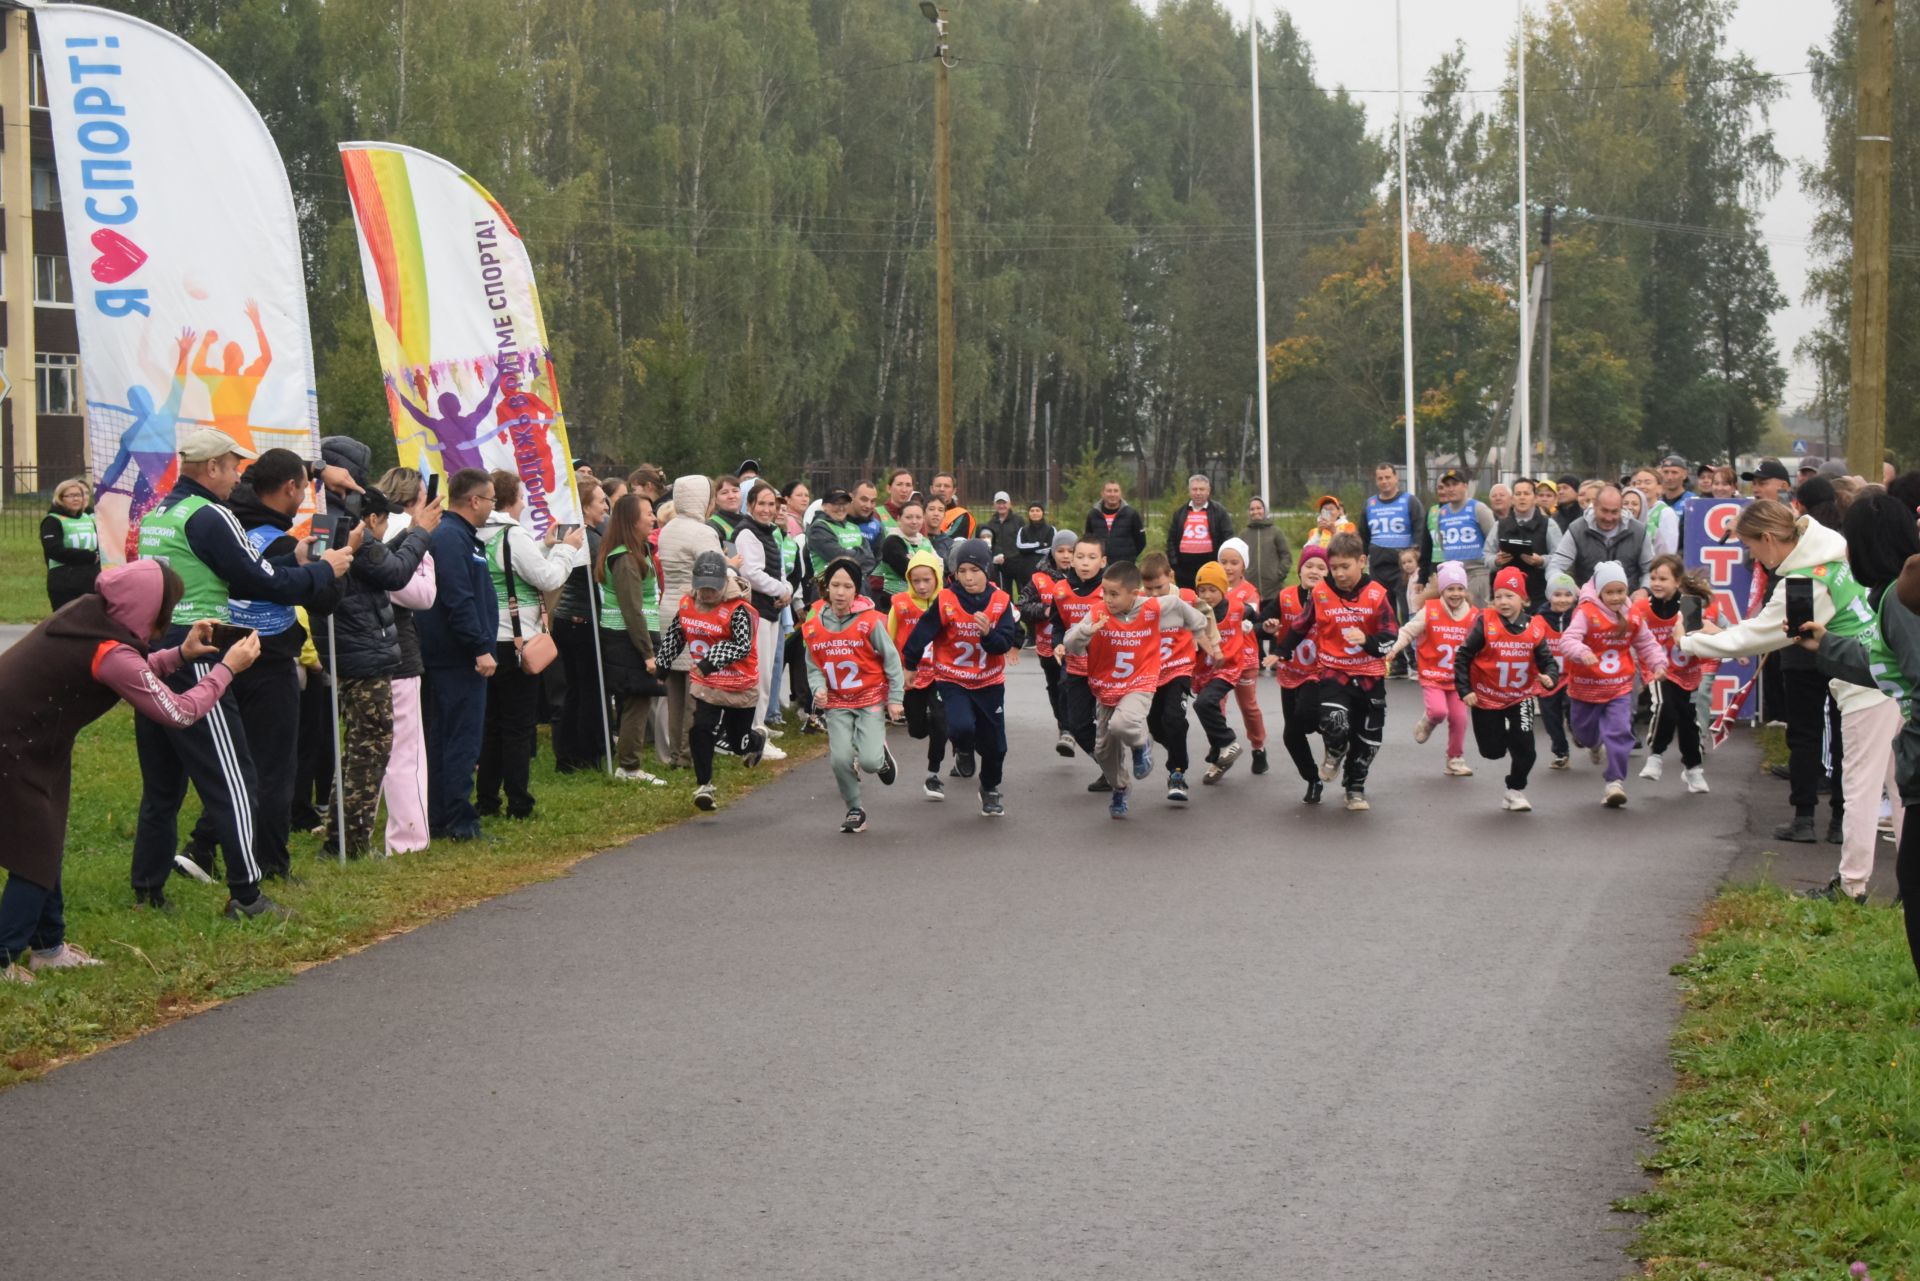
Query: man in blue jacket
x=456, y=648
x=201, y=540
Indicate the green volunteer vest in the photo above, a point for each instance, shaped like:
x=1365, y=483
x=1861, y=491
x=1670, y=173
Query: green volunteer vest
x=789, y=550
x=894, y=583
x=497, y=569
x=1885, y=670
x=1852, y=608
x=163, y=537
x=848, y=535
x=610, y=616
x=77, y=533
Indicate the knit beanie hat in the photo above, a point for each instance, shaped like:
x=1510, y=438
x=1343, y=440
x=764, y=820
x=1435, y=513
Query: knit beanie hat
x=1211, y=575
x=1563, y=582
x=1239, y=546
x=974, y=551
x=1313, y=551
x=1606, y=574
x=1450, y=574
x=1512, y=580
x=1064, y=538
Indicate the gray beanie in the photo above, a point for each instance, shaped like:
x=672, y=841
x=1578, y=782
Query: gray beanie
x=1064, y=538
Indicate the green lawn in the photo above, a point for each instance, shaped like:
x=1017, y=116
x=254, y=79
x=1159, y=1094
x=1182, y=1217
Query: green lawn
x=1792, y=1148
x=23, y=574
x=162, y=966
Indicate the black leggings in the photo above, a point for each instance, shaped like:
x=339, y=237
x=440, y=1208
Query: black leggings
x=1507, y=732
x=1353, y=718
x=1076, y=710
x=1299, y=710
x=1676, y=716
x=1209, y=706
x=1907, y=881
x=511, y=733
x=927, y=718
x=1167, y=720
x=1051, y=667
x=796, y=662
x=713, y=724
x=1810, y=725
x=1553, y=713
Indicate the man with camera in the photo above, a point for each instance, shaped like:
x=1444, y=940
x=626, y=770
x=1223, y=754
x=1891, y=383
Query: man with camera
x=200, y=539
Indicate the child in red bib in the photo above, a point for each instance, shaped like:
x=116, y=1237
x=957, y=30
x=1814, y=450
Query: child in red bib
x=1179, y=658
x=1036, y=612
x=1434, y=632
x=855, y=676
x=926, y=717
x=717, y=625
x=1121, y=640
x=1217, y=676
x=967, y=636
x=1502, y=664
x=1563, y=597
x=1233, y=559
x=1676, y=601
x=1601, y=643
x=1299, y=673
x=1074, y=597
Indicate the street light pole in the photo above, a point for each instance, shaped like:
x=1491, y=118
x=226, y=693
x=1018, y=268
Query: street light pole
x=943, y=223
x=1406, y=239
x=1525, y=391
x=1259, y=252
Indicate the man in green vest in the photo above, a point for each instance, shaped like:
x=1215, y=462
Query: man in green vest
x=201, y=540
x=834, y=534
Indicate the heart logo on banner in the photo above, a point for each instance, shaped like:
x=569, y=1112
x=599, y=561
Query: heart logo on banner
x=119, y=257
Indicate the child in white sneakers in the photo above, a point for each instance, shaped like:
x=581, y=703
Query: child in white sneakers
x=1435, y=632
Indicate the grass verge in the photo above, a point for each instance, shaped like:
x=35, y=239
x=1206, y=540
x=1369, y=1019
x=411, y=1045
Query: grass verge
x=23, y=572
x=1792, y=1147
x=160, y=967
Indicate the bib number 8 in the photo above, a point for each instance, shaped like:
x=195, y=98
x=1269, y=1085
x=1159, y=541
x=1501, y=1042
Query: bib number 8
x=1610, y=662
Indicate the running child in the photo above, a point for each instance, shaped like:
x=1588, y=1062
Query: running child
x=854, y=674
x=1503, y=662
x=969, y=631
x=1435, y=632
x=1352, y=626
x=1074, y=597
x=1299, y=673
x=1675, y=596
x=1563, y=597
x=1036, y=612
x=1122, y=642
x=926, y=718
x=716, y=625
x=1233, y=558
x=1602, y=641
x=1218, y=673
x=1167, y=718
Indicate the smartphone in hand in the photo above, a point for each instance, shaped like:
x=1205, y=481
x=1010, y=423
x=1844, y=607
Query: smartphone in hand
x=326, y=527
x=225, y=634
x=1799, y=605
x=433, y=487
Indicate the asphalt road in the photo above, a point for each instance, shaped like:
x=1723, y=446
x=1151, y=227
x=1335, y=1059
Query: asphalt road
x=1247, y=1040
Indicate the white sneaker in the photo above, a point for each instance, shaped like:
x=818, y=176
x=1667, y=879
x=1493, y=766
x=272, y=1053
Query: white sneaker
x=64, y=957
x=1615, y=796
x=1516, y=801
x=640, y=776
x=1457, y=767
x=17, y=974
x=1422, y=728
x=1653, y=769
x=1597, y=754
x=772, y=753
x=773, y=731
x=1696, y=780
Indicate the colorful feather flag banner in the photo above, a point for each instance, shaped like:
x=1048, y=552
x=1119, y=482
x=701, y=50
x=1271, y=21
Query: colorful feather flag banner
x=462, y=342
x=189, y=293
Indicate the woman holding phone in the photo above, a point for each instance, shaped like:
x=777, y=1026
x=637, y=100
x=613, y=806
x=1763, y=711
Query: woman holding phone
x=64, y=675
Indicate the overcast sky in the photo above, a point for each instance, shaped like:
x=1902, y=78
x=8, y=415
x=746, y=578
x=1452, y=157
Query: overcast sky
x=1352, y=43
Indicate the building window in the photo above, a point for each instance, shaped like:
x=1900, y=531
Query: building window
x=57, y=380
x=52, y=281
x=37, y=84
x=46, y=186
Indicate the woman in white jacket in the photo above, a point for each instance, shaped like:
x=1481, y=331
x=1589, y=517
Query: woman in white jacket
x=1801, y=548
x=681, y=540
x=522, y=568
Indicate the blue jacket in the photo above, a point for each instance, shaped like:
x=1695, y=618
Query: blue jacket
x=465, y=617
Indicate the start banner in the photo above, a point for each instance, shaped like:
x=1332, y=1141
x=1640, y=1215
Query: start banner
x=1707, y=534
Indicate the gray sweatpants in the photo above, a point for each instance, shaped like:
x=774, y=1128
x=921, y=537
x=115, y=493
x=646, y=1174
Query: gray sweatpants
x=1117, y=730
x=855, y=735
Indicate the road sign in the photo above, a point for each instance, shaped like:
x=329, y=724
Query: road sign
x=5, y=386
x=1799, y=446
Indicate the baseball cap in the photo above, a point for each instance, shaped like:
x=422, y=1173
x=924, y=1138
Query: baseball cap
x=203, y=444
x=1834, y=467
x=1812, y=462
x=748, y=465
x=1451, y=476
x=1767, y=469
x=1324, y=499
x=837, y=496
x=1002, y=496
x=709, y=571
x=1674, y=460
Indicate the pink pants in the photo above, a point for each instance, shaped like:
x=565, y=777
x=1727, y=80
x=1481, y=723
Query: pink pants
x=1443, y=704
x=1247, y=694
x=405, y=784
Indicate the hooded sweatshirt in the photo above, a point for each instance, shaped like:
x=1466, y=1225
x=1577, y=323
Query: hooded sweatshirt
x=681, y=540
x=1572, y=644
x=881, y=640
x=1004, y=636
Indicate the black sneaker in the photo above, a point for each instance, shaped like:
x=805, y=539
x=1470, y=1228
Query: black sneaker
x=1100, y=785
x=991, y=805
x=934, y=788
x=888, y=770
x=855, y=821
x=1259, y=760
x=1836, y=830
x=154, y=900
x=1314, y=791
x=261, y=906
x=1834, y=891
x=1177, y=793
x=1800, y=830
x=963, y=765
x=811, y=724
x=756, y=744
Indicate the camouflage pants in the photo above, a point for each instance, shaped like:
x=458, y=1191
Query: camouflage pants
x=366, y=741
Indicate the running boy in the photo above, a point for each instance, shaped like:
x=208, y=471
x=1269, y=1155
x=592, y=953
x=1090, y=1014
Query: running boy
x=1435, y=632
x=1600, y=645
x=1674, y=596
x=1122, y=642
x=1300, y=672
x=1351, y=623
x=1504, y=660
x=716, y=625
x=1233, y=558
x=1036, y=612
x=925, y=716
x=1074, y=597
x=1167, y=719
x=1218, y=674
x=854, y=673
x=969, y=630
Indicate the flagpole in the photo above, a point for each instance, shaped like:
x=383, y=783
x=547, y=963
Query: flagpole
x=1406, y=263
x=1259, y=250
x=1526, y=336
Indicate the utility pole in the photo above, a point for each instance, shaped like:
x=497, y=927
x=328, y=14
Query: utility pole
x=1872, y=198
x=1524, y=392
x=1546, y=328
x=1259, y=252
x=943, y=221
x=1406, y=240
